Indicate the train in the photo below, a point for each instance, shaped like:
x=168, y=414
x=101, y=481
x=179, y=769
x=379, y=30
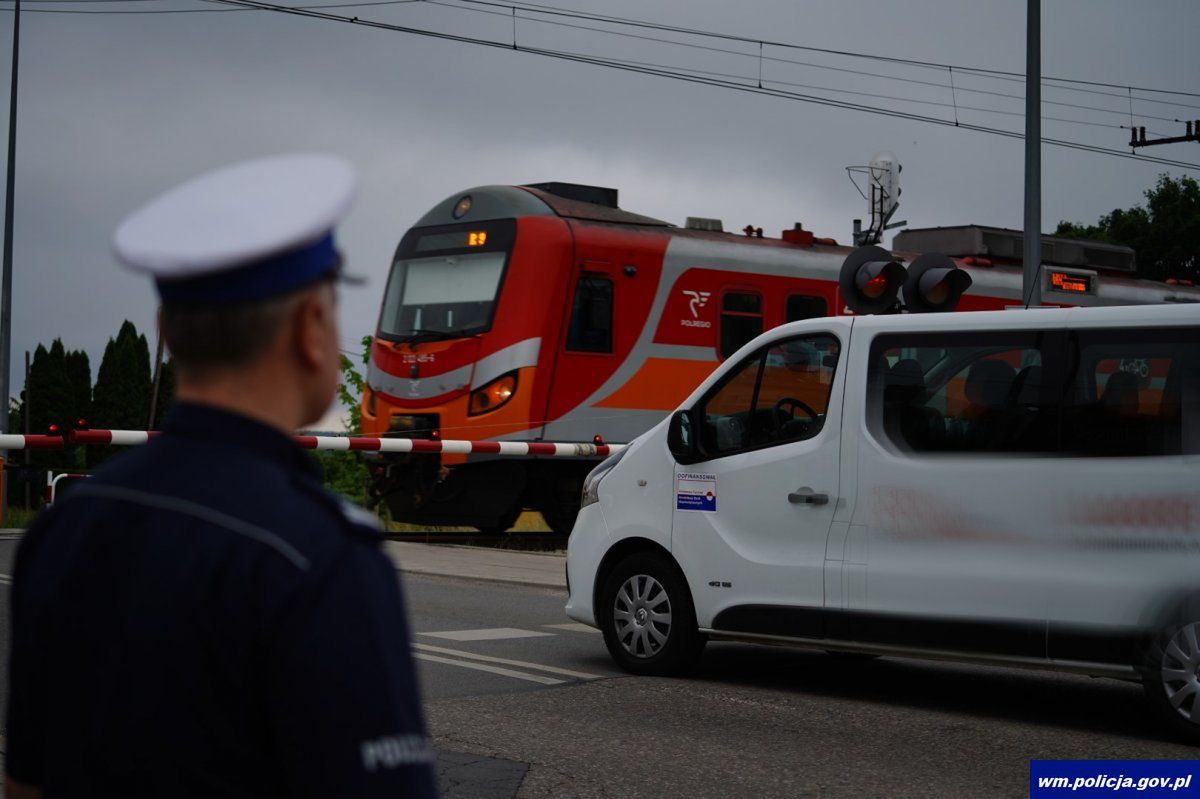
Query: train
x=548, y=312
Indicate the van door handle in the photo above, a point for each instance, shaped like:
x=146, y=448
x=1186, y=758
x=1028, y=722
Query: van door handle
x=806, y=496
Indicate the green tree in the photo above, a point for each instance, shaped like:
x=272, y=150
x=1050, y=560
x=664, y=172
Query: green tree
x=121, y=398
x=1165, y=233
x=59, y=394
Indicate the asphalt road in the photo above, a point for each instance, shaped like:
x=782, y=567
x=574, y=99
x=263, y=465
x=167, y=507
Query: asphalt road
x=520, y=705
x=753, y=720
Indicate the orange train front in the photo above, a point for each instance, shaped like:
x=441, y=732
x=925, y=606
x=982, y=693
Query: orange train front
x=546, y=312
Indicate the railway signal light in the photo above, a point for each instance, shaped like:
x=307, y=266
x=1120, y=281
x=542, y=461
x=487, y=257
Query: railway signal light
x=934, y=283
x=870, y=280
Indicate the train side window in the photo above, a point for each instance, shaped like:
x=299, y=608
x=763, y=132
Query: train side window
x=800, y=306
x=741, y=320
x=590, y=328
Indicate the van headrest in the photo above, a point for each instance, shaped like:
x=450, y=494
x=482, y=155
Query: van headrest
x=988, y=383
x=1121, y=392
x=905, y=382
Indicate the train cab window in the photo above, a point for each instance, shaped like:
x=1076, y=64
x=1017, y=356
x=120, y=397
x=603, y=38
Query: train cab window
x=800, y=306
x=1133, y=393
x=741, y=320
x=963, y=393
x=779, y=395
x=590, y=328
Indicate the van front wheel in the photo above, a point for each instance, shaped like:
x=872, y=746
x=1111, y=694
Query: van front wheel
x=647, y=616
x=1172, y=679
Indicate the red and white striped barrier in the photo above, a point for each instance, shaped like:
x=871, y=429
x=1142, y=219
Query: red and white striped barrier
x=398, y=445
x=30, y=442
x=52, y=481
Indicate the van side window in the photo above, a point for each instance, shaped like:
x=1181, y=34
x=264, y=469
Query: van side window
x=800, y=307
x=741, y=320
x=1133, y=393
x=963, y=392
x=590, y=328
x=778, y=395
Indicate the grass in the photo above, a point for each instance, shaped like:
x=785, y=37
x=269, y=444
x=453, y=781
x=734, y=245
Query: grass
x=18, y=518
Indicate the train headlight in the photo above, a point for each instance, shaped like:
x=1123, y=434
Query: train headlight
x=493, y=395
x=591, y=483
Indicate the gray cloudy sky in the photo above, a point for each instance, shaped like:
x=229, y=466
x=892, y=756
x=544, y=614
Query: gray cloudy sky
x=116, y=107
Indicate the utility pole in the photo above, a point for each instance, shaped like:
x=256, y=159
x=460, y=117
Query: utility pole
x=6, y=280
x=1031, y=283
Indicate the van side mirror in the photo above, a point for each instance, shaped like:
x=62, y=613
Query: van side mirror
x=681, y=437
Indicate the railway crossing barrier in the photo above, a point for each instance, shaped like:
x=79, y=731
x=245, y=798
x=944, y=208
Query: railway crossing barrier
x=316, y=442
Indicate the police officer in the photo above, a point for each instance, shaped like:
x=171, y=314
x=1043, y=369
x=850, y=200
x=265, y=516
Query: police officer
x=201, y=618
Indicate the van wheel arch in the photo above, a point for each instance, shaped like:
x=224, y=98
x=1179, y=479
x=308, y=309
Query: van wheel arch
x=623, y=549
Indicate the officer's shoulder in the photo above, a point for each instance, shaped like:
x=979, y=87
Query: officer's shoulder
x=291, y=506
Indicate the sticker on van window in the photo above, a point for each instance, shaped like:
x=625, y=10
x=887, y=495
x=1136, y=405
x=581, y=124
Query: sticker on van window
x=696, y=492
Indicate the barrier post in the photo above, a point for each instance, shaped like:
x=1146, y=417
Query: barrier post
x=3, y=492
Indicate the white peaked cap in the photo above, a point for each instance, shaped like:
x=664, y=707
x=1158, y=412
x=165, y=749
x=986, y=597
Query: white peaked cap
x=248, y=217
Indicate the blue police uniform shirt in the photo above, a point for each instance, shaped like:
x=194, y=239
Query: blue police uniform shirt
x=202, y=618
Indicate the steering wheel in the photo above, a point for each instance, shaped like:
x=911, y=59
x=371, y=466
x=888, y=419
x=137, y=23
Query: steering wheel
x=781, y=417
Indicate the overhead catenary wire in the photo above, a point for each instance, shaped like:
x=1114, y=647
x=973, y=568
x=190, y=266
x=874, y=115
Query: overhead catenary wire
x=696, y=75
x=537, y=8
x=811, y=64
x=691, y=78
x=626, y=21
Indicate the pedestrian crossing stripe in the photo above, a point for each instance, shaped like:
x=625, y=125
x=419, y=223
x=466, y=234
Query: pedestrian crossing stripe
x=488, y=634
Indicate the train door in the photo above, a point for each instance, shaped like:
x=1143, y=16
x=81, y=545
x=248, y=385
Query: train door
x=586, y=350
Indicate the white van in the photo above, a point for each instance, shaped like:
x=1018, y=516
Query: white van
x=1012, y=487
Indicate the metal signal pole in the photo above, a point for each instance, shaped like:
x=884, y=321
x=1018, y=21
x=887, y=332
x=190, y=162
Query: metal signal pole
x=1031, y=287
x=6, y=280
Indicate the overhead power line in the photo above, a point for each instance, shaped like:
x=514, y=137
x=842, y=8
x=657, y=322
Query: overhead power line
x=611, y=63
x=538, y=8
x=721, y=79
x=759, y=56
x=510, y=10
x=362, y=4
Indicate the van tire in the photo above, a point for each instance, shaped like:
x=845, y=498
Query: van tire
x=1173, y=665
x=647, y=616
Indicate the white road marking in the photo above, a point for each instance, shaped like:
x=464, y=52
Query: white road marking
x=579, y=675
x=490, y=634
x=520, y=675
x=572, y=627
x=5, y=579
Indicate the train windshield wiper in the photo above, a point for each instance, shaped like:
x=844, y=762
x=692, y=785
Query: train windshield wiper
x=427, y=334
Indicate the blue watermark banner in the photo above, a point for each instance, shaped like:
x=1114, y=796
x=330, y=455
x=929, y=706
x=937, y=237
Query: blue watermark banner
x=1109, y=778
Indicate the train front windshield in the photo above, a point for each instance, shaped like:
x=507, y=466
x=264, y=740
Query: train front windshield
x=445, y=281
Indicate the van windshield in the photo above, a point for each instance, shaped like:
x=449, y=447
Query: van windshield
x=450, y=294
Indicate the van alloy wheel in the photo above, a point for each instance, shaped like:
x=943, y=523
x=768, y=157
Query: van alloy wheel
x=1179, y=672
x=642, y=616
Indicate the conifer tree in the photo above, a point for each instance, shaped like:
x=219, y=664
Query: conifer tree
x=121, y=398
